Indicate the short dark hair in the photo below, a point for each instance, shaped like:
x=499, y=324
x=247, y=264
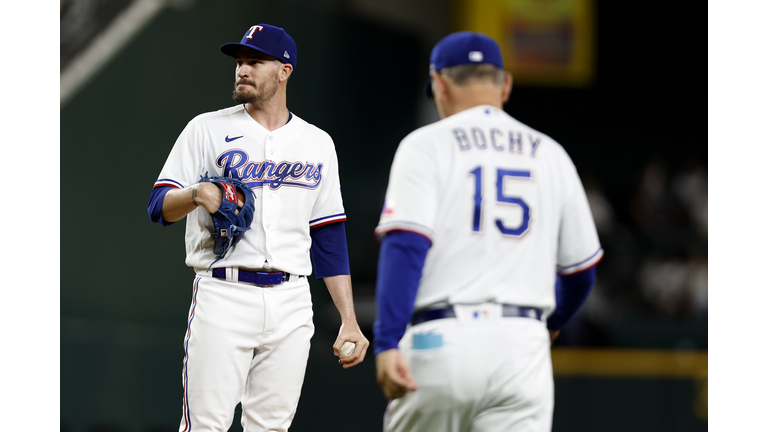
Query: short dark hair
x=463, y=73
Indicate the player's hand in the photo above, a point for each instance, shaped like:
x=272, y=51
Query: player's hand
x=209, y=196
x=393, y=374
x=553, y=334
x=351, y=332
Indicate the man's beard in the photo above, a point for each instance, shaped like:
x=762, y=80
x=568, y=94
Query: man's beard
x=260, y=94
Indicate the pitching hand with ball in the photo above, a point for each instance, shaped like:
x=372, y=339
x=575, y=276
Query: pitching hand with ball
x=347, y=348
x=350, y=346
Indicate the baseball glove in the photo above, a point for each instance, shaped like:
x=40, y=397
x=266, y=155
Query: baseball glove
x=228, y=227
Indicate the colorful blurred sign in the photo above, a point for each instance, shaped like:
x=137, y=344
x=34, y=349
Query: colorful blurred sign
x=544, y=42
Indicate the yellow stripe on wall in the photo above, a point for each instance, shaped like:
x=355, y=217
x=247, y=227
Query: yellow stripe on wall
x=569, y=362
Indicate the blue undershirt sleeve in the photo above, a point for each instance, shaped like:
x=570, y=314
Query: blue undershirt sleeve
x=570, y=291
x=329, y=250
x=155, y=206
x=401, y=260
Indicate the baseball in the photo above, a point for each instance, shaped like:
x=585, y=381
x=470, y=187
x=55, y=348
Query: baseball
x=346, y=349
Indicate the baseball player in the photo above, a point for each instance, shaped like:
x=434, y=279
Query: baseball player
x=482, y=215
x=250, y=321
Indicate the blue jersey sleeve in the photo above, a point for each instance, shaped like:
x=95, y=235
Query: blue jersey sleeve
x=329, y=250
x=401, y=260
x=570, y=291
x=155, y=205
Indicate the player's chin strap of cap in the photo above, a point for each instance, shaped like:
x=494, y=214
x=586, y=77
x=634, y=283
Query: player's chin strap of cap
x=231, y=235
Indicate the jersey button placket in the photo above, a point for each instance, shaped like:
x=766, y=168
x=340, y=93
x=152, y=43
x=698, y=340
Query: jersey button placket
x=271, y=204
x=268, y=209
x=268, y=212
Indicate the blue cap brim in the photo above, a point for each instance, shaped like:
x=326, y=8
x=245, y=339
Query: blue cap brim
x=231, y=50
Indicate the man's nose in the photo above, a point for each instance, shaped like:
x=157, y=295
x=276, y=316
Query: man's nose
x=243, y=71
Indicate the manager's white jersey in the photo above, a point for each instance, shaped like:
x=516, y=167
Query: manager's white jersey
x=292, y=170
x=502, y=204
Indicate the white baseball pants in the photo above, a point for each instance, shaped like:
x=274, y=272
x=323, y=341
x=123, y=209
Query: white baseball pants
x=247, y=344
x=478, y=372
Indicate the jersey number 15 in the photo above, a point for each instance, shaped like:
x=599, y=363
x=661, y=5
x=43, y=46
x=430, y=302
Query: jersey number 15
x=501, y=198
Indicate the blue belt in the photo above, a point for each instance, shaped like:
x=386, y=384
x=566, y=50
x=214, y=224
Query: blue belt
x=507, y=310
x=255, y=277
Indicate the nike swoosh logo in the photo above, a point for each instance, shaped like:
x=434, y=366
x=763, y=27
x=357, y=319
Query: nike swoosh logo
x=228, y=139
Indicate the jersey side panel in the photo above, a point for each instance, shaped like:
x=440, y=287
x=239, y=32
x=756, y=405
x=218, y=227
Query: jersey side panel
x=579, y=245
x=329, y=205
x=186, y=154
x=411, y=200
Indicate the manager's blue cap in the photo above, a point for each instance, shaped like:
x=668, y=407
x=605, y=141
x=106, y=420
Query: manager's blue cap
x=267, y=39
x=462, y=48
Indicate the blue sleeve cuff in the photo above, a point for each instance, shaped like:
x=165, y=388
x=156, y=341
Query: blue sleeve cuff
x=401, y=260
x=155, y=205
x=329, y=250
x=570, y=291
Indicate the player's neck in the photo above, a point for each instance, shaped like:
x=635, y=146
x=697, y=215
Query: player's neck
x=272, y=114
x=470, y=96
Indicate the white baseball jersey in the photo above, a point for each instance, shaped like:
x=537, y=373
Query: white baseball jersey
x=502, y=204
x=292, y=170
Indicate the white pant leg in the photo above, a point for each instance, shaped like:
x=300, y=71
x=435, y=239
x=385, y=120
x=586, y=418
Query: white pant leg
x=521, y=399
x=277, y=371
x=224, y=324
x=437, y=405
x=490, y=374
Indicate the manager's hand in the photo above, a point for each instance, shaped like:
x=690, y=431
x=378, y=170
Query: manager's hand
x=393, y=374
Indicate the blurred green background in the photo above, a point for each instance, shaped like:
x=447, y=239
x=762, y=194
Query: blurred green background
x=361, y=66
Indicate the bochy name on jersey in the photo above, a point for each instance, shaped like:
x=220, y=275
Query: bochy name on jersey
x=236, y=164
x=494, y=139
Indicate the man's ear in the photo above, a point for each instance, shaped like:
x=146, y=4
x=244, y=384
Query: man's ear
x=438, y=85
x=506, y=88
x=286, y=69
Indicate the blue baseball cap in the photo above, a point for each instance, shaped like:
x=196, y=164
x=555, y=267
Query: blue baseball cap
x=463, y=48
x=267, y=39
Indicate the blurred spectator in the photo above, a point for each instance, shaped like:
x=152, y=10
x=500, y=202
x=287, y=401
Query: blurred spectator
x=659, y=213
x=672, y=218
x=691, y=188
x=665, y=285
x=655, y=263
x=698, y=277
x=602, y=211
